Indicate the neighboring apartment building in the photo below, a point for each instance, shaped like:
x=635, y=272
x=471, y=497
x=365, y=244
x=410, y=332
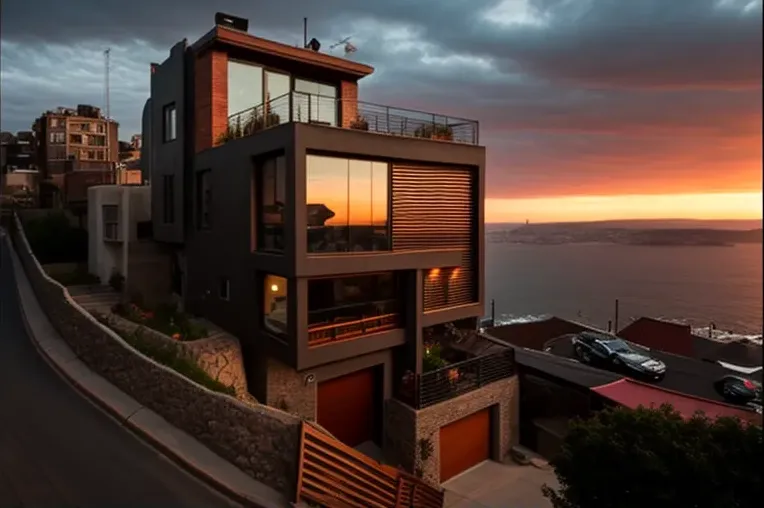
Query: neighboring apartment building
x=324, y=232
x=18, y=169
x=73, y=141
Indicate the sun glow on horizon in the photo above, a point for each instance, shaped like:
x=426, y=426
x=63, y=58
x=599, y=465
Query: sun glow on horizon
x=725, y=206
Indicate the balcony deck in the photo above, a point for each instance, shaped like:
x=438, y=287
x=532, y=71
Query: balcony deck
x=456, y=379
x=330, y=111
x=352, y=322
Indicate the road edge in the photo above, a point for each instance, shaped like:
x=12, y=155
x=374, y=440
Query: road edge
x=141, y=431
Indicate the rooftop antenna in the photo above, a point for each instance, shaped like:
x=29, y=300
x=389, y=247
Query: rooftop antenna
x=107, y=55
x=349, y=48
x=304, y=32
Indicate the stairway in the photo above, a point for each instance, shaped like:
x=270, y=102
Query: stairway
x=94, y=297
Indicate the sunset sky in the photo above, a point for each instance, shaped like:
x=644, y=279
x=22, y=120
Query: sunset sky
x=589, y=109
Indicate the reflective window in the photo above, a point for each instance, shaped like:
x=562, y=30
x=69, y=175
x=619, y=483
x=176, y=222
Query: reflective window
x=315, y=102
x=275, y=304
x=271, y=201
x=347, y=205
x=245, y=86
x=277, y=87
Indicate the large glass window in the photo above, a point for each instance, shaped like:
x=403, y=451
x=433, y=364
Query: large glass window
x=315, y=102
x=275, y=304
x=344, y=307
x=347, y=205
x=271, y=201
x=277, y=87
x=245, y=86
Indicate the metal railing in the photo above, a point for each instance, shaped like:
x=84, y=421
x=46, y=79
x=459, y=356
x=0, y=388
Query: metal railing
x=350, y=114
x=351, y=321
x=456, y=379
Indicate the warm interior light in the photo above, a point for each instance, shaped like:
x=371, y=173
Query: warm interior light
x=274, y=288
x=455, y=273
x=434, y=272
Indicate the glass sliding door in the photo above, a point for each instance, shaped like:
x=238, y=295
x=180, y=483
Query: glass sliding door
x=245, y=87
x=277, y=88
x=315, y=102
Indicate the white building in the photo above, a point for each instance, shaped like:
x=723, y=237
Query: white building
x=120, y=240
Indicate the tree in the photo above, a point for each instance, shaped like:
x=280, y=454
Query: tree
x=625, y=458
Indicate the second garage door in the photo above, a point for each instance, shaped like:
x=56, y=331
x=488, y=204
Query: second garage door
x=346, y=407
x=465, y=443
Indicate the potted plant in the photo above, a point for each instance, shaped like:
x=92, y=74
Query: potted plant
x=359, y=123
x=434, y=131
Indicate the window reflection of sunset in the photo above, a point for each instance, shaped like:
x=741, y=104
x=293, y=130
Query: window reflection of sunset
x=356, y=191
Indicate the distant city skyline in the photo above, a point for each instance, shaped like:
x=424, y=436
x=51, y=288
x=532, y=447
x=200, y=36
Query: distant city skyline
x=590, y=109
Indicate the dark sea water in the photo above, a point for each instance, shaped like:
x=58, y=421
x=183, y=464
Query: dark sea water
x=696, y=285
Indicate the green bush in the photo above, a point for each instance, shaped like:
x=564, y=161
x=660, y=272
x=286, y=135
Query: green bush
x=54, y=240
x=624, y=458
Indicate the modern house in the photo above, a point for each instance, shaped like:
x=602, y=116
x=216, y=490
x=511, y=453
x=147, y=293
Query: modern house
x=334, y=238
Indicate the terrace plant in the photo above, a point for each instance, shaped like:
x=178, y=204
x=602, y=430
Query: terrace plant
x=359, y=123
x=165, y=319
x=434, y=131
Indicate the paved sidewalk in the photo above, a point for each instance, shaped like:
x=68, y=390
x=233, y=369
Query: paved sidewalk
x=104, y=464
x=495, y=485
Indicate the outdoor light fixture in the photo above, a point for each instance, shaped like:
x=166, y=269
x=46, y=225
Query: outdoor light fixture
x=274, y=288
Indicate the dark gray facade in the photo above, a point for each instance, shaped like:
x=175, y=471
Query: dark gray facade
x=168, y=156
x=226, y=267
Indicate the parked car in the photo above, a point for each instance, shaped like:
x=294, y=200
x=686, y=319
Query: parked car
x=739, y=390
x=617, y=355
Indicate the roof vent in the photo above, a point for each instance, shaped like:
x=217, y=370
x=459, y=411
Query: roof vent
x=229, y=21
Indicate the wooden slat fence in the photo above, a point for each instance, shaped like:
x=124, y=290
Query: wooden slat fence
x=335, y=475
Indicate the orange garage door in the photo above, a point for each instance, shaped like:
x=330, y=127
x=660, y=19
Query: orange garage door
x=465, y=443
x=346, y=407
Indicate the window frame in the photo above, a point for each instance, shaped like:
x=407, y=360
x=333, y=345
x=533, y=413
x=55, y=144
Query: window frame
x=169, y=123
x=168, y=199
x=260, y=223
x=202, y=200
x=224, y=289
x=105, y=222
x=388, y=204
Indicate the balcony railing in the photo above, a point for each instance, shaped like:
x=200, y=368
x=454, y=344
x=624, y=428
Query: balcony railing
x=351, y=321
x=330, y=111
x=456, y=379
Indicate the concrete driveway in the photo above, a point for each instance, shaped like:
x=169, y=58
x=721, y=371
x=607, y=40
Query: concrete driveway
x=495, y=485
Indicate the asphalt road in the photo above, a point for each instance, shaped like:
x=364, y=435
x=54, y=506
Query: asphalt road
x=684, y=375
x=58, y=449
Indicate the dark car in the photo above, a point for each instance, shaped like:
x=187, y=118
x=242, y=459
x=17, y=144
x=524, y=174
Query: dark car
x=739, y=390
x=617, y=355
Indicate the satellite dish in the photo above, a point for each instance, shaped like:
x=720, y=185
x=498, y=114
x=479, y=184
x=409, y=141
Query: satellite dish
x=314, y=45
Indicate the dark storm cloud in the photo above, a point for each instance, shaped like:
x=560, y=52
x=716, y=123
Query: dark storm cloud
x=567, y=91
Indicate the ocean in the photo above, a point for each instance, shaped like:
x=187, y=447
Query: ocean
x=694, y=285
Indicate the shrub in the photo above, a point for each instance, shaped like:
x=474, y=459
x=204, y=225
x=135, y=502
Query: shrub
x=54, y=240
x=624, y=458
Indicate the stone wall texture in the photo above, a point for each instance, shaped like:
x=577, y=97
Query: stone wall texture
x=220, y=357
x=406, y=427
x=263, y=442
x=286, y=389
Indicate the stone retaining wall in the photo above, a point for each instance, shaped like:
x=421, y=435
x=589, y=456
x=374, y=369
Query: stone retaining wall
x=220, y=357
x=261, y=441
